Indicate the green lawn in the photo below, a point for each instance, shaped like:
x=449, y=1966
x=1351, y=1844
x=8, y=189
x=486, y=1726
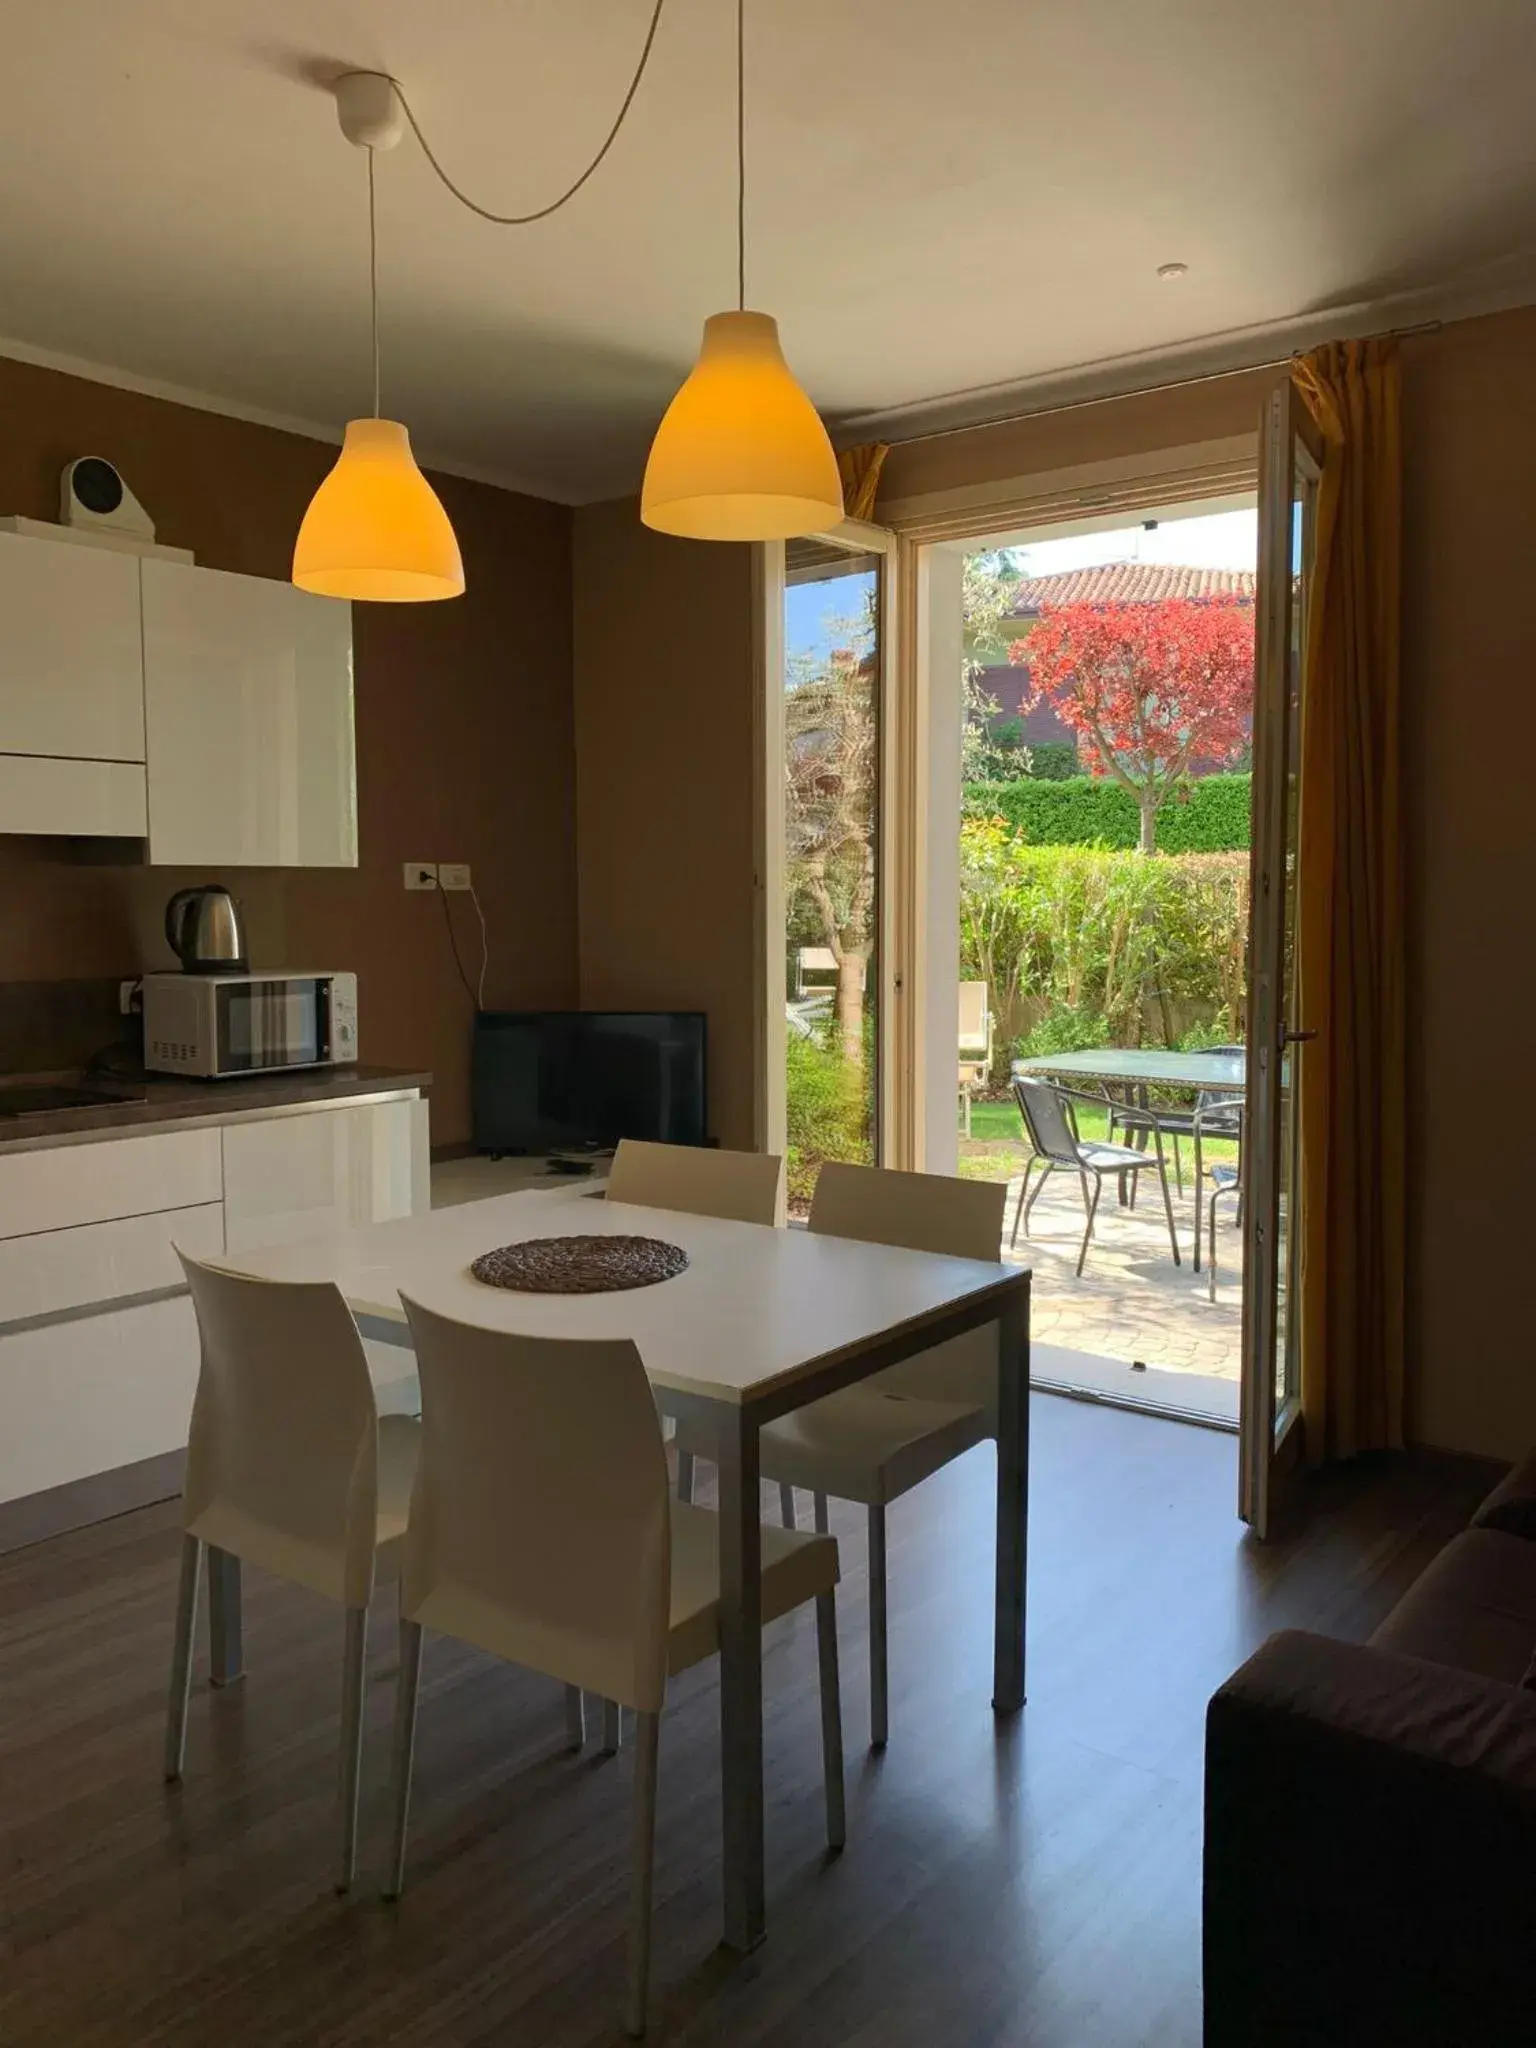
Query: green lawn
x=997, y=1147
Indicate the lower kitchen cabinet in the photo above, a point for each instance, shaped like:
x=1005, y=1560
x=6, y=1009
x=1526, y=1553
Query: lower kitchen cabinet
x=100, y=1390
x=293, y=1177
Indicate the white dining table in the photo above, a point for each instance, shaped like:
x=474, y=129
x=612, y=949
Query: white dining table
x=761, y=1322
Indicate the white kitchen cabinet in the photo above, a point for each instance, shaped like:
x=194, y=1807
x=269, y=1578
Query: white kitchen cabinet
x=71, y=665
x=41, y=794
x=248, y=721
x=95, y=1392
x=60, y=1187
x=292, y=1177
x=58, y=1271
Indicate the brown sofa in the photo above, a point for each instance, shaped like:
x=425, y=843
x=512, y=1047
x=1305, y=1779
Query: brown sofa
x=1370, y=1816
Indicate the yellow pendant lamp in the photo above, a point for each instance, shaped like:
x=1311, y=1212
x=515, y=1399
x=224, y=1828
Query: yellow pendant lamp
x=376, y=529
x=741, y=453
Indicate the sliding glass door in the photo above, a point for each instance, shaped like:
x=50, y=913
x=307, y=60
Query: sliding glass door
x=826, y=967
x=1290, y=465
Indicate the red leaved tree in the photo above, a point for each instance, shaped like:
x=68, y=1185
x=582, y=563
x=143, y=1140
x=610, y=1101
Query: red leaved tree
x=1149, y=689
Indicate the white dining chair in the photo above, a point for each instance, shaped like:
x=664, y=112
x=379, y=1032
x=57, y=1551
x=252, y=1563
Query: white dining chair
x=875, y=1441
x=701, y=1180
x=741, y=1187
x=291, y=1468
x=562, y=1553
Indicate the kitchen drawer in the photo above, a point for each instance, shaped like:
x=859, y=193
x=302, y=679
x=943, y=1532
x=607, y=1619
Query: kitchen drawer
x=60, y=1270
x=85, y=1397
x=58, y=1187
x=90, y=799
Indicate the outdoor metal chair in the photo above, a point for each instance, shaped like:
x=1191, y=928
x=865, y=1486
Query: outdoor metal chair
x=1048, y=1122
x=1217, y=1113
x=1225, y=1180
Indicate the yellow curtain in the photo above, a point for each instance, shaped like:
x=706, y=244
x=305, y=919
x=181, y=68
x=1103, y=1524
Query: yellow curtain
x=860, y=470
x=1350, y=915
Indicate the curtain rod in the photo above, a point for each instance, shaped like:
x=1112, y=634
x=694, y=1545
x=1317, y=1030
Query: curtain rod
x=1040, y=412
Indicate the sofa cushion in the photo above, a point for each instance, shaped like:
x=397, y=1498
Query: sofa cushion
x=1475, y=1608
x=1512, y=1504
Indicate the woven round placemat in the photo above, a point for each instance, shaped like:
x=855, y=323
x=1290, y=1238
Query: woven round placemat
x=580, y=1265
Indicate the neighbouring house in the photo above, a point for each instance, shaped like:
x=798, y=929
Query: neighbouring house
x=1112, y=583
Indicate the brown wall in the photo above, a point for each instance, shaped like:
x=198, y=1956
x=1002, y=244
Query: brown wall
x=463, y=733
x=1109, y=430
x=1469, y=689
x=663, y=669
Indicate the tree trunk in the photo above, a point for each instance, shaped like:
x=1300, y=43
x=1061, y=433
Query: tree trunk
x=850, y=1006
x=1148, y=803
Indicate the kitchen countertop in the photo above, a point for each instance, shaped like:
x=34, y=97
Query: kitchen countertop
x=163, y=1099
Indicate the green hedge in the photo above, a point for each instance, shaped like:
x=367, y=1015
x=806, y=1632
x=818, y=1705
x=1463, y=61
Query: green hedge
x=1084, y=811
x=1052, y=760
x=1099, y=946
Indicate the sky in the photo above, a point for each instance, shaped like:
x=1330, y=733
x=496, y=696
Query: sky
x=1220, y=540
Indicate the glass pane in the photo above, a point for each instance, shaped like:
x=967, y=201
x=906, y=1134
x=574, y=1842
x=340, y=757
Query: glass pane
x=1287, y=1354
x=832, y=741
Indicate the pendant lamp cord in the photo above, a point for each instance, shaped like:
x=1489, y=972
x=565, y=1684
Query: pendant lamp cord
x=373, y=278
x=522, y=220
x=741, y=156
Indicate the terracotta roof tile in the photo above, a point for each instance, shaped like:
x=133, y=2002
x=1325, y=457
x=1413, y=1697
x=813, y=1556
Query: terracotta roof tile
x=1130, y=583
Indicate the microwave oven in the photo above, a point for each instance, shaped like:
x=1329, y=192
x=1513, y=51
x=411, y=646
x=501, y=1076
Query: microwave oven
x=210, y=1025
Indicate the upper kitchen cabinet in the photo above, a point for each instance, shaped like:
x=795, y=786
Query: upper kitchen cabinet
x=248, y=720
x=70, y=661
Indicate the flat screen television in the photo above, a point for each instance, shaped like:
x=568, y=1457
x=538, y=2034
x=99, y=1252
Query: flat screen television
x=568, y=1080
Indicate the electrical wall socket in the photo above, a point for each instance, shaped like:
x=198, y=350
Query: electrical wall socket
x=421, y=874
x=453, y=874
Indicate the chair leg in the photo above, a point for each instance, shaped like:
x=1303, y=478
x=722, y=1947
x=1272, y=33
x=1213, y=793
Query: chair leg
x=1082, y=1257
x=613, y=1728
x=831, y=1719
x=1178, y=1165
x=1199, y=1190
x=407, y=1688
x=879, y=1704
x=1162, y=1175
x=1018, y=1214
x=787, y=1505
x=575, y=1718
x=1028, y=1207
x=684, y=1475
x=181, y=1656
x=1212, y=1261
x=353, y=1687
x=647, y=1757
x=823, y=1523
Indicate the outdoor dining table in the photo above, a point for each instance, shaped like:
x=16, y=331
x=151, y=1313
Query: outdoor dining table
x=761, y=1322
x=1144, y=1067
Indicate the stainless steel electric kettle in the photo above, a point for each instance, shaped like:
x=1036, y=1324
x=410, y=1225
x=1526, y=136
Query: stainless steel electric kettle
x=206, y=931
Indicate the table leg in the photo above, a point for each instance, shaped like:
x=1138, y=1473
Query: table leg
x=741, y=1681
x=226, y=1655
x=1012, y=1502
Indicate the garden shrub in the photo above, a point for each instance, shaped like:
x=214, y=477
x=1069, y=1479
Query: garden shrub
x=826, y=1111
x=1083, y=945
x=1084, y=810
x=1052, y=760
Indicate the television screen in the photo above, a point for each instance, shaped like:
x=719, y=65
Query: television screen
x=558, y=1080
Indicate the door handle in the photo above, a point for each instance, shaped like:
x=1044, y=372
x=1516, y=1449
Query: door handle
x=1296, y=1037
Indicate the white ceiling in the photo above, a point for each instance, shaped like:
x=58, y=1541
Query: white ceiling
x=942, y=198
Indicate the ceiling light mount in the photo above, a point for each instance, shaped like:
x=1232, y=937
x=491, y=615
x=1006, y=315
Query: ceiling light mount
x=1170, y=273
x=369, y=108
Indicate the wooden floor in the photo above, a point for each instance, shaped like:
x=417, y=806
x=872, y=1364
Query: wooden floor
x=1034, y=1882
